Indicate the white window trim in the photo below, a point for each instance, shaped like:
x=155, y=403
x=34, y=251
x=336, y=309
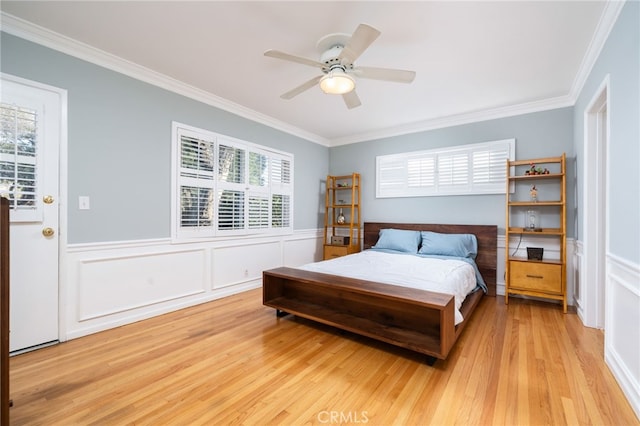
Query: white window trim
x=180, y=234
x=393, y=172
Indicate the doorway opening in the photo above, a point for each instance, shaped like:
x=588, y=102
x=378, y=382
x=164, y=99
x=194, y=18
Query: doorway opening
x=596, y=223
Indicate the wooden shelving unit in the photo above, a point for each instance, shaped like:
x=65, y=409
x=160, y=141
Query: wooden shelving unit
x=342, y=200
x=544, y=278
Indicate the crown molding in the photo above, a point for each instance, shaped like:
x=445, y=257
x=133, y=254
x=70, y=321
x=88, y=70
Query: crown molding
x=31, y=32
x=608, y=19
x=459, y=119
x=42, y=36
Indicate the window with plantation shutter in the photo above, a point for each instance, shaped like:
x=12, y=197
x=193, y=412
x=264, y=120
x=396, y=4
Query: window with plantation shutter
x=19, y=161
x=468, y=169
x=225, y=186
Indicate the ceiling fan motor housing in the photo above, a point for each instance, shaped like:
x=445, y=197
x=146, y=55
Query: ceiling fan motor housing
x=330, y=57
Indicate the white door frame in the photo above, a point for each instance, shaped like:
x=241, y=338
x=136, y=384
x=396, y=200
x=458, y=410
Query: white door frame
x=62, y=194
x=595, y=228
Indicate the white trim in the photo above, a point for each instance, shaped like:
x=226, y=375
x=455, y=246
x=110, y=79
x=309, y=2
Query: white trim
x=37, y=34
x=45, y=37
x=459, y=119
x=608, y=19
x=593, y=186
x=621, y=352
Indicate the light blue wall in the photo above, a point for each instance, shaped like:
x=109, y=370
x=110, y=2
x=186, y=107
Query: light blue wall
x=620, y=59
x=119, y=132
x=542, y=134
x=120, y=140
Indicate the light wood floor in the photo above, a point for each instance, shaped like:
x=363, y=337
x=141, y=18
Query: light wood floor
x=232, y=362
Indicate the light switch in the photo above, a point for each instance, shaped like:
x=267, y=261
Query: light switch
x=83, y=202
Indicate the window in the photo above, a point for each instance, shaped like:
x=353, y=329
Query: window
x=19, y=158
x=468, y=169
x=224, y=186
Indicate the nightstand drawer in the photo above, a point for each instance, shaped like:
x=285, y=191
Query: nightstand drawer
x=335, y=251
x=535, y=276
x=331, y=251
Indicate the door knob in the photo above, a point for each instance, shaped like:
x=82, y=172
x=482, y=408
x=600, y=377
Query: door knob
x=48, y=232
x=48, y=199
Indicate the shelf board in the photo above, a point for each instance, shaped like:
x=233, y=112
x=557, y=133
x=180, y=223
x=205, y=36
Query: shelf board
x=527, y=177
x=524, y=259
x=543, y=231
x=535, y=203
x=342, y=187
x=536, y=161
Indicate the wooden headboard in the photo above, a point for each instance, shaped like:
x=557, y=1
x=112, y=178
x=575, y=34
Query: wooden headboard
x=487, y=236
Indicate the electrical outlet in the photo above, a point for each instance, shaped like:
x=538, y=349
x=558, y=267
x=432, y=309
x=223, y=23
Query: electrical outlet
x=84, y=202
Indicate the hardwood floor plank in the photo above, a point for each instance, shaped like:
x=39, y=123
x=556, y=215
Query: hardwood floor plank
x=232, y=361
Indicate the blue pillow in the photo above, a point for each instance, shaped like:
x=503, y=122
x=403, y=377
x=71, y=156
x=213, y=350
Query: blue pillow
x=399, y=240
x=458, y=245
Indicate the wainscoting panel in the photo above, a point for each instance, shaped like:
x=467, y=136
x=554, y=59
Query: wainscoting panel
x=577, y=260
x=105, y=285
x=244, y=263
x=622, y=334
x=300, y=251
x=116, y=284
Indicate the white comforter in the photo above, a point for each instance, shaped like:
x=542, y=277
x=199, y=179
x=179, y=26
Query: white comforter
x=448, y=276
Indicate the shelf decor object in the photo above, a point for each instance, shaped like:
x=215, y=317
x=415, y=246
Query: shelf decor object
x=342, y=216
x=531, y=190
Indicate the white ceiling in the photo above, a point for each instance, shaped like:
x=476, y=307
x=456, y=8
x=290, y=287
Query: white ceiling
x=470, y=57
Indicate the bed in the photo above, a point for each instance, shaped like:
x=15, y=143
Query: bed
x=414, y=318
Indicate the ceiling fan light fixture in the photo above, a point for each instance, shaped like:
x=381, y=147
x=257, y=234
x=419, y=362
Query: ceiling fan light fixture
x=337, y=82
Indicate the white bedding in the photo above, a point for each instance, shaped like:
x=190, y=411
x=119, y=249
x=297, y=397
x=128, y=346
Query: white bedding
x=448, y=276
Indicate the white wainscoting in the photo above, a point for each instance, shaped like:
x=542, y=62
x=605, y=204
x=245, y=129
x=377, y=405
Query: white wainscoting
x=622, y=331
x=106, y=285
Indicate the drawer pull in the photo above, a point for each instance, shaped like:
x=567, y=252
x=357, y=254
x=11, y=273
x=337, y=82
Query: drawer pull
x=535, y=276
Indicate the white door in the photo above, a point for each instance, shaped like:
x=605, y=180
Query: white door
x=29, y=166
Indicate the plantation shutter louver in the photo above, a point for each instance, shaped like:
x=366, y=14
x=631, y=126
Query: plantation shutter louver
x=281, y=174
x=18, y=161
x=231, y=181
x=453, y=172
x=196, y=182
x=258, y=190
x=489, y=169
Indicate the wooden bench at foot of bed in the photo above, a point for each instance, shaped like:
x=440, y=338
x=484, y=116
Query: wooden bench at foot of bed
x=418, y=320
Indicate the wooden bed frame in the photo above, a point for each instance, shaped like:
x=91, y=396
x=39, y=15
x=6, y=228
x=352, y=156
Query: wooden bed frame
x=420, y=320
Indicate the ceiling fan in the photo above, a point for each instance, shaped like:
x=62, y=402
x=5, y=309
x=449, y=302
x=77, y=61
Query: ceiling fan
x=338, y=54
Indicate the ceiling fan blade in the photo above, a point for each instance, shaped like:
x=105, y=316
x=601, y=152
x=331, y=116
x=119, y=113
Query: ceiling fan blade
x=351, y=99
x=362, y=38
x=287, y=57
x=304, y=86
x=387, y=74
